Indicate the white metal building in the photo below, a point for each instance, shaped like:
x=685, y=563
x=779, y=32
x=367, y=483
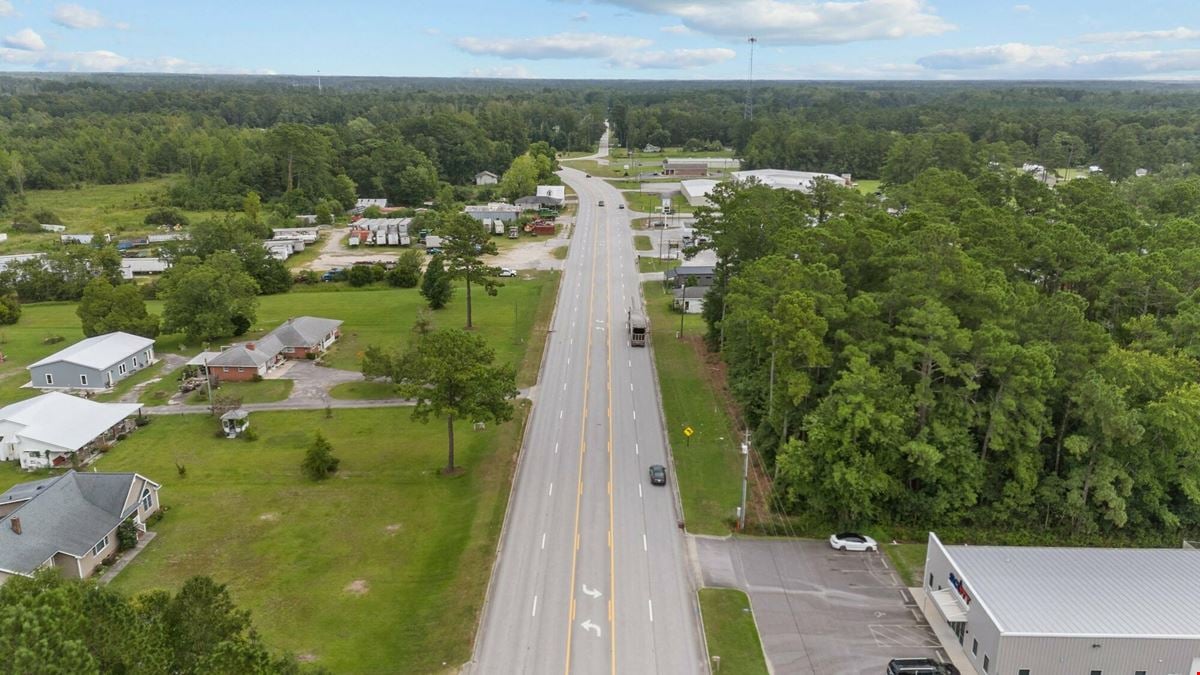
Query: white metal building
x=1051, y=611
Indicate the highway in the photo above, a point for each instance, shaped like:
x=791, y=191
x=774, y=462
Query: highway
x=592, y=575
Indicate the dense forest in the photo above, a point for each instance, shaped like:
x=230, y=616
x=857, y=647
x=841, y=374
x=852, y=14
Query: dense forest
x=975, y=348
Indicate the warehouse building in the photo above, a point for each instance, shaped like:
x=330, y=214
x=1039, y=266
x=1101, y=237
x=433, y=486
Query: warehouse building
x=1049, y=611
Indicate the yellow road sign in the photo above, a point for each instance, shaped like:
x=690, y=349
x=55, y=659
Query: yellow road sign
x=688, y=431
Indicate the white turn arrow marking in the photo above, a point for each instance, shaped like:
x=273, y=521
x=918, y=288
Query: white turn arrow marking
x=594, y=593
x=588, y=625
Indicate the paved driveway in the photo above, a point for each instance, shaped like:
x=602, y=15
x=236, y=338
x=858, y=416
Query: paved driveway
x=313, y=382
x=820, y=611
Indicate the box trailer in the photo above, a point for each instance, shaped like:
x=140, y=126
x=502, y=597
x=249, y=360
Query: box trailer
x=639, y=328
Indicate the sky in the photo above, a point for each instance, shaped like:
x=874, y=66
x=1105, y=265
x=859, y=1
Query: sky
x=605, y=39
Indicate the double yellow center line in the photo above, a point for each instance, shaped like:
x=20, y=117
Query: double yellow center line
x=582, y=447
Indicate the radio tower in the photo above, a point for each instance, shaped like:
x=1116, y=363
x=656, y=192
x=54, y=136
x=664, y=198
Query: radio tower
x=749, y=113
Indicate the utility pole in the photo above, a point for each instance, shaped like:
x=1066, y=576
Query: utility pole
x=212, y=408
x=745, y=477
x=749, y=113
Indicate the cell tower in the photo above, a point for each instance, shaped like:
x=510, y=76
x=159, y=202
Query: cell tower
x=749, y=114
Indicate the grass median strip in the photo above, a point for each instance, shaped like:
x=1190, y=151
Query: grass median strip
x=708, y=465
x=909, y=561
x=730, y=631
x=642, y=242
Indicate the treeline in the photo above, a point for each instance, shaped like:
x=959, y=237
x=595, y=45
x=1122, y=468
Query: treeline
x=294, y=148
x=982, y=352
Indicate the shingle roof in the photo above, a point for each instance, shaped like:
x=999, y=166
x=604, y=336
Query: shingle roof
x=301, y=331
x=42, y=418
x=70, y=514
x=99, y=352
x=1084, y=591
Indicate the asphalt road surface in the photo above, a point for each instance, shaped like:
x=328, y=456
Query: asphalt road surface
x=592, y=575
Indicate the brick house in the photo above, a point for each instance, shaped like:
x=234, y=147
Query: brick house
x=294, y=339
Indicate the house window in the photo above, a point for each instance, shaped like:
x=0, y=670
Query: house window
x=986, y=664
x=240, y=369
x=1139, y=672
x=121, y=369
x=135, y=362
x=49, y=379
x=148, y=503
x=149, y=357
x=1097, y=672
x=224, y=370
x=100, y=545
x=975, y=647
x=1025, y=671
x=83, y=380
x=931, y=580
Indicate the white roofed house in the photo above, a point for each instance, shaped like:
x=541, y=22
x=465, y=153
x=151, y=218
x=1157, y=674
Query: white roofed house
x=493, y=211
x=486, y=178
x=558, y=192
x=94, y=364
x=364, y=204
x=58, y=429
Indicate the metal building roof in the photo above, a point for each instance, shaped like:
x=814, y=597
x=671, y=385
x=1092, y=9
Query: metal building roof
x=1092, y=592
x=99, y=352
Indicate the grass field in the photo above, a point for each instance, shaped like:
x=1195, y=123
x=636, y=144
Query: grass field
x=867, y=187
x=381, y=568
x=709, y=466
x=909, y=561
x=124, y=386
x=647, y=202
x=656, y=265
x=559, y=253
x=730, y=631
x=641, y=242
x=267, y=391
x=118, y=209
x=363, y=391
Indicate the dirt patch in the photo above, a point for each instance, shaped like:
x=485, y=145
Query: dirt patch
x=269, y=517
x=357, y=587
x=393, y=529
x=306, y=657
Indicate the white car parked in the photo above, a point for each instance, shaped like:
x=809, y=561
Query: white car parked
x=507, y=272
x=852, y=541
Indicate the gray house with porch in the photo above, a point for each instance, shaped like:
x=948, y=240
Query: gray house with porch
x=94, y=364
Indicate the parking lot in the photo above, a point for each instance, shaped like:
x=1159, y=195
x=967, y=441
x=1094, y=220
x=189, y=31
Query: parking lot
x=820, y=611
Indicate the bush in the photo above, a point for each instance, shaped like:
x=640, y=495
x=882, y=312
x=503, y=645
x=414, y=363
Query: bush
x=52, y=339
x=311, y=356
x=46, y=216
x=142, y=420
x=319, y=461
x=126, y=535
x=249, y=435
x=360, y=275
x=407, y=273
x=256, y=378
x=165, y=216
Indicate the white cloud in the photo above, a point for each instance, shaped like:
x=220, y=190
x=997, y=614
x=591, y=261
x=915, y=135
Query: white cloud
x=107, y=61
x=678, y=29
x=511, y=72
x=1178, y=33
x=1013, y=53
x=1022, y=8
x=675, y=59
x=1017, y=60
x=78, y=16
x=560, y=46
x=7, y=9
x=431, y=31
x=25, y=39
x=581, y=17
x=800, y=22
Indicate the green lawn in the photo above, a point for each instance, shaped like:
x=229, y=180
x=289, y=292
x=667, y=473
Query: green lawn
x=909, y=561
x=117, y=209
x=267, y=391
x=657, y=265
x=647, y=202
x=730, y=631
x=124, y=386
x=360, y=391
x=559, y=253
x=381, y=568
x=309, y=254
x=641, y=242
x=709, y=466
x=867, y=187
